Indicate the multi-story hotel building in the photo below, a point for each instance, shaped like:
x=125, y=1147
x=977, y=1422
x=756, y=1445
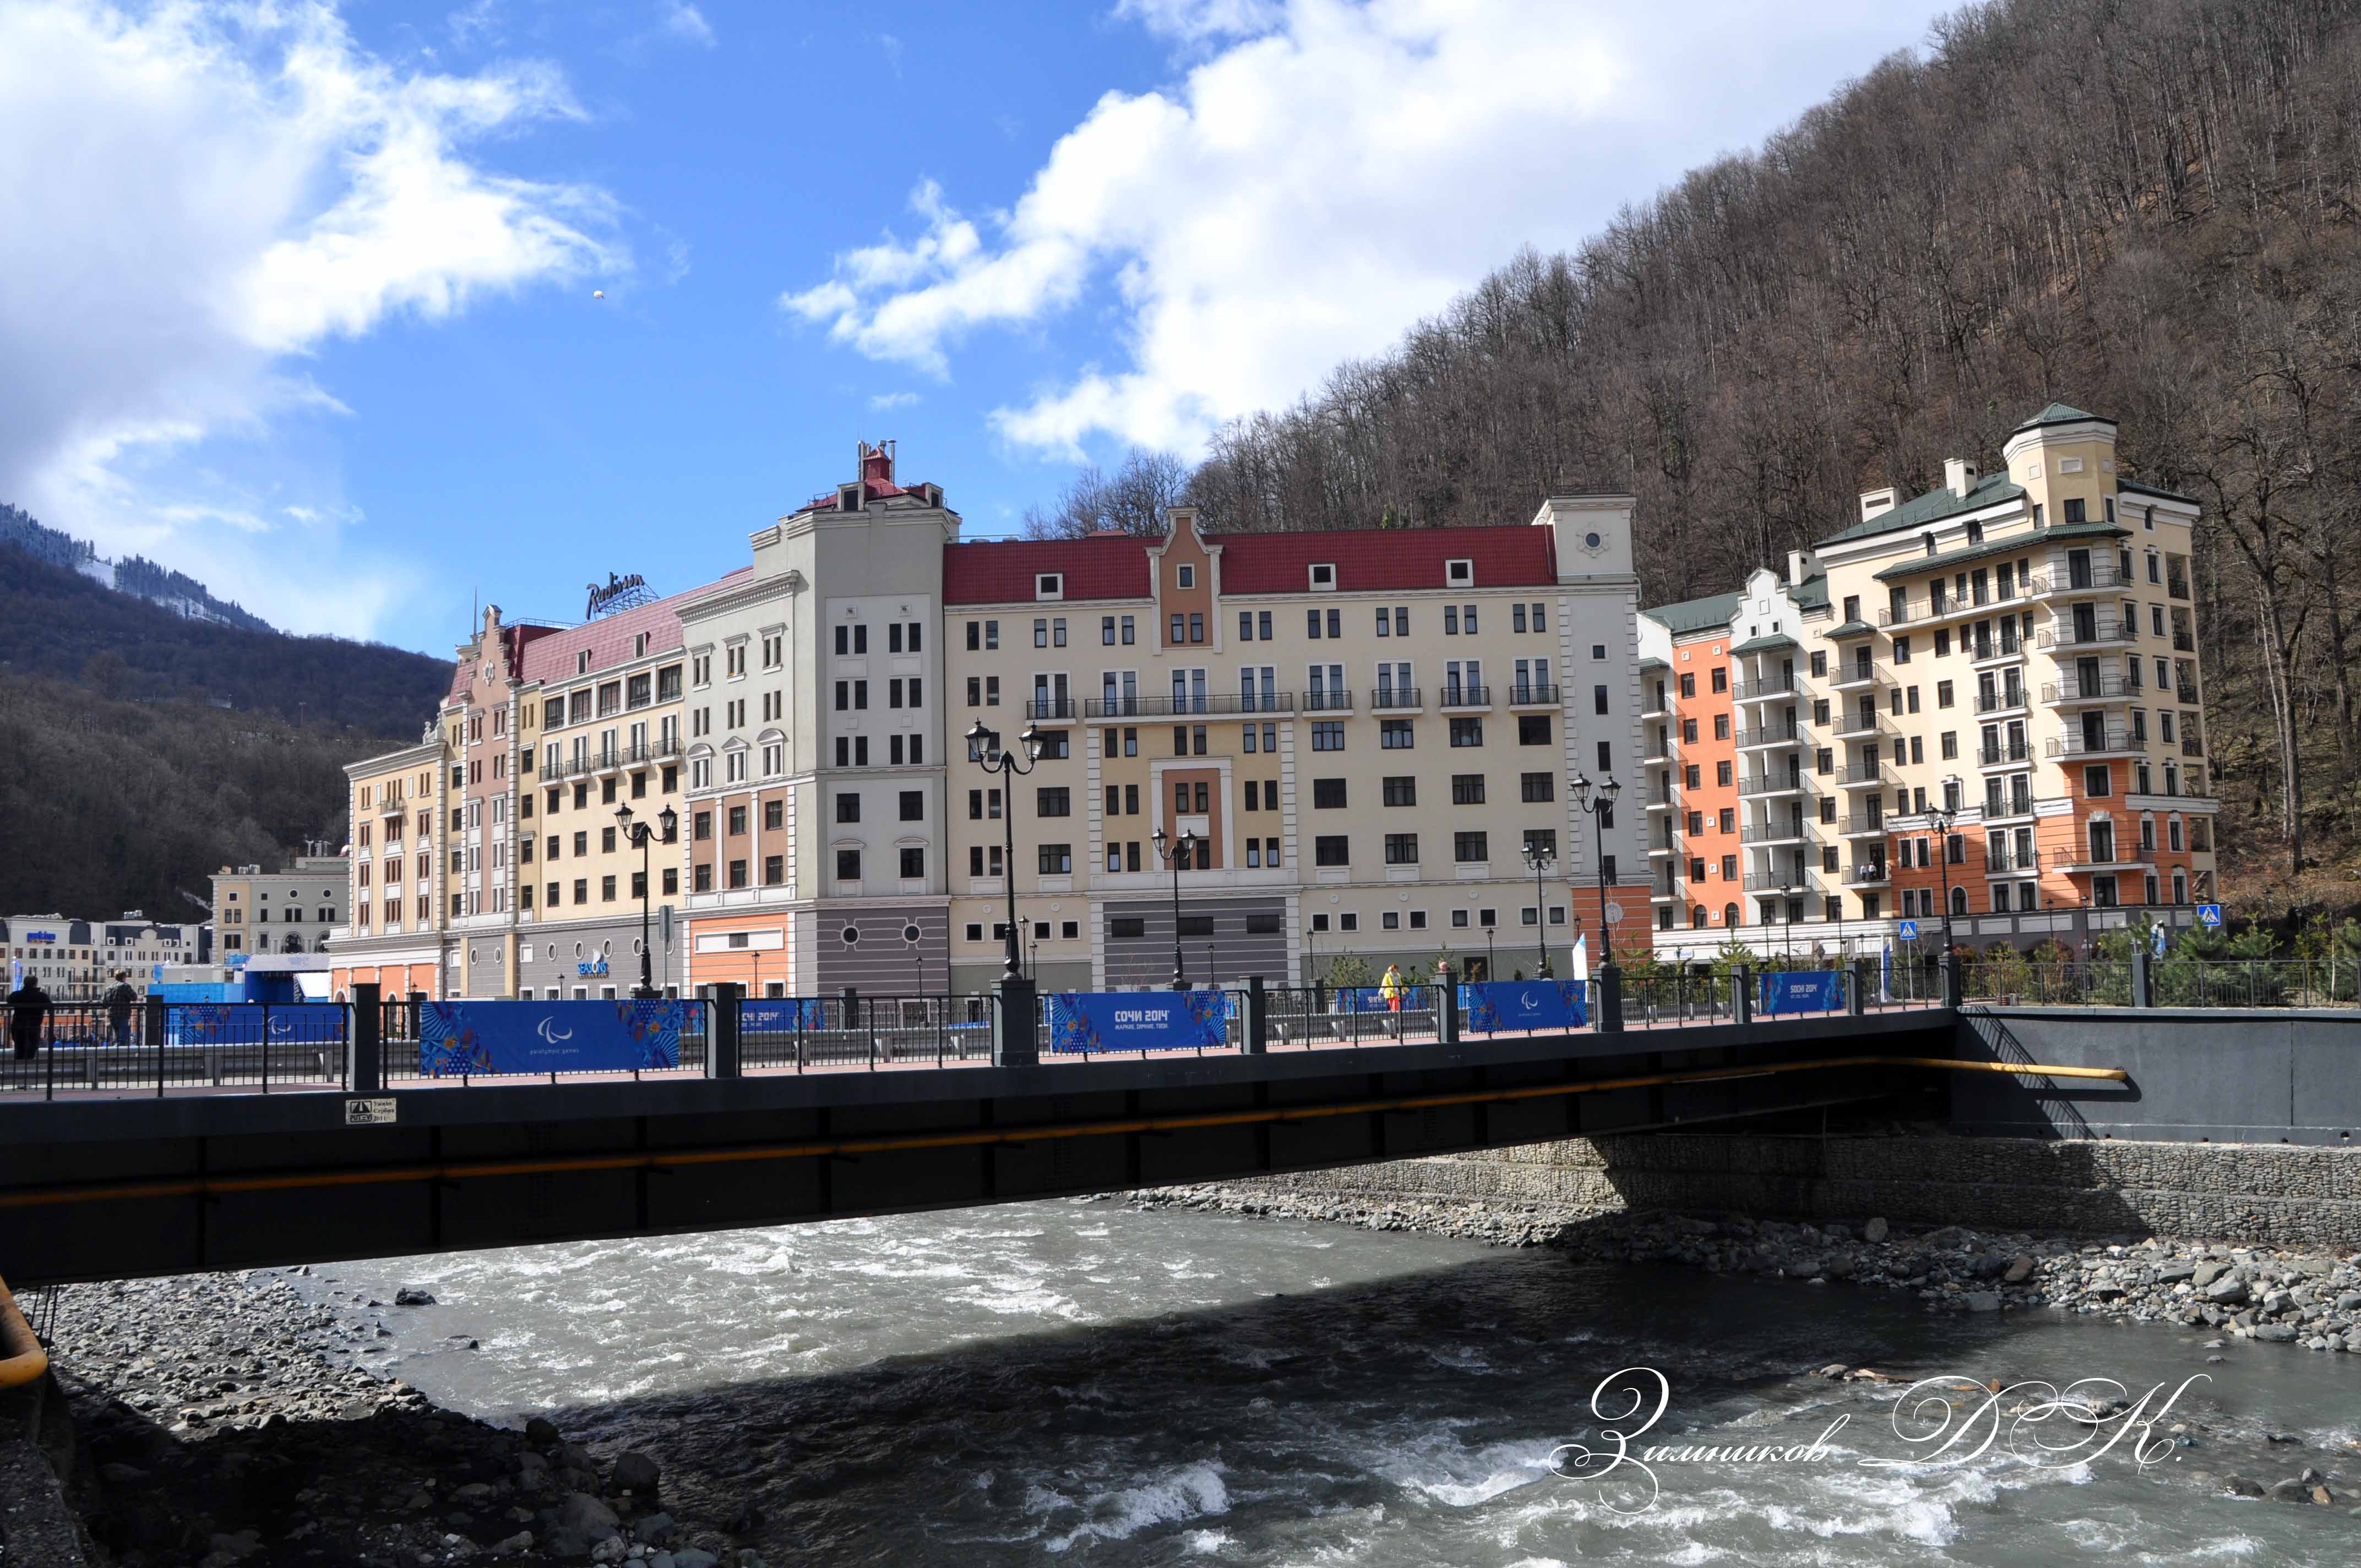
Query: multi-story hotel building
x=290, y=911
x=2016, y=649
x=1275, y=695
x=76, y=961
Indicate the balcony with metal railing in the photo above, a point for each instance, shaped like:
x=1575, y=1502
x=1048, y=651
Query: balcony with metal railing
x=1660, y=798
x=1396, y=699
x=1858, y=826
x=1248, y=704
x=1867, y=873
x=1861, y=775
x=1664, y=844
x=2177, y=588
x=2098, y=634
x=2084, y=858
x=2001, y=701
x=2192, y=745
x=1853, y=677
x=2006, y=754
x=1852, y=724
x=2184, y=642
x=1792, y=880
x=1768, y=735
x=1770, y=686
x=2098, y=577
x=2106, y=744
x=1791, y=832
x=1994, y=650
x=1462, y=696
x=1335, y=699
x=2073, y=689
x=1771, y=785
x=2008, y=862
x=1058, y=706
x=1533, y=694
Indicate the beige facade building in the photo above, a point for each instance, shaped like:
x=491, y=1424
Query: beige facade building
x=290, y=911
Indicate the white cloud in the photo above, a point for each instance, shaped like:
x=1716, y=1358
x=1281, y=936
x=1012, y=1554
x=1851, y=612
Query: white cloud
x=685, y=22
x=193, y=197
x=1322, y=175
x=885, y=401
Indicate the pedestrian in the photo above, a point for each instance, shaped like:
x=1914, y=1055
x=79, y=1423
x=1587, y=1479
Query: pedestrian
x=27, y=1004
x=1390, y=988
x=119, y=1003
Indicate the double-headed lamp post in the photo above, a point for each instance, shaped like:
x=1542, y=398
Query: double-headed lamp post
x=1541, y=859
x=1175, y=853
x=664, y=830
x=1599, y=801
x=983, y=745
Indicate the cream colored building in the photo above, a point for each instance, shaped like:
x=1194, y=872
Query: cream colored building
x=290, y=911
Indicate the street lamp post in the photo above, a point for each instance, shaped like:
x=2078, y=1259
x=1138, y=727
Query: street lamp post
x=667, y=830
x=1175, y=853
x=1541, y=859
x=1940, y=818
x=1489, y=959
x=985, y=744
x=1598, y=802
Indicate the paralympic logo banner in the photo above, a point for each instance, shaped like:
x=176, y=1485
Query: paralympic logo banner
x=1087, y=1021
x=249, y=1022
x=1799, y=991
x=1491, y=1007
x=468, y=1039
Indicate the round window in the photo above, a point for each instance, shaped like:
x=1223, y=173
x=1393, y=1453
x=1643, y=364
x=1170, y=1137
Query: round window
x=910, y=934
x=1591, y=540
x=851, y=935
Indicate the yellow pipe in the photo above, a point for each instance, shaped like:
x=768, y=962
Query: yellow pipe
x=457, y=1172
x=26, y=1361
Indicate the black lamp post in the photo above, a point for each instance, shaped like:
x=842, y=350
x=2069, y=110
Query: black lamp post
x=984, y=743
x=1599, y=805
x=665, y=832
x=1940, y=818
x=1490, y=963
x=1175, y=853
x=1541, y=859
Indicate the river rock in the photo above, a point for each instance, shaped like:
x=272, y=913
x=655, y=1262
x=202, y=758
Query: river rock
x=2240, y=1487
x=2275, y=1334
x=541, y=1432
x=694, y=1557
x=2020, y=1268
x=2205, y=1274
x=412, y=1296
x=1982, y=1301
x=1873, y=1231
x=636, y=1473
x=655, y=1530
x=2227, y=1291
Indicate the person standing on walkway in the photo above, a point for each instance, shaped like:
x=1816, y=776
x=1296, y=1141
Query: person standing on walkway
x=1390, y=988
x=119, y=1003
x=27, y=1005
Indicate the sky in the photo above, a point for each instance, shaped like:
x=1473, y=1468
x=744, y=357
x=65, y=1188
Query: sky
x=306, y=299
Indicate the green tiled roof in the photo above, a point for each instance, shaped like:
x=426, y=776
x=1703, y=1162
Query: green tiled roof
x=2061, y=413
x=2008, y=546
x=2139, y=489
x=1812, y=593
x=1849, y=629
x=1933, y=507
x=1695, y=615
x=1763, y=644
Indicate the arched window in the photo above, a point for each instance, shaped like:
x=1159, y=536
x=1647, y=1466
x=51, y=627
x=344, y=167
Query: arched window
x=1959, y=901
x=1696, y=918
x=1729, y=915
x=294, y=944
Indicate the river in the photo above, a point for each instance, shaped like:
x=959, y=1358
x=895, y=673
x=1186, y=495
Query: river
x=1083, y=1381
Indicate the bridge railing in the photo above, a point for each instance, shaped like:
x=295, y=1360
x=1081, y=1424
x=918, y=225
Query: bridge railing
x=162, y=1047
x=1348, y=1015
x=794, y=1032
x=2172, y=981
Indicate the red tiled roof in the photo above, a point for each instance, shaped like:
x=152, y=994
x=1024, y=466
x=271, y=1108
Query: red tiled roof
x=1001, y=571
x=548, y=653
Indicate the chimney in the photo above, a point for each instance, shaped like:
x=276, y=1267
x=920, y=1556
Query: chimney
x=1875, y=501
x=1959, y=476
x=1799, y=565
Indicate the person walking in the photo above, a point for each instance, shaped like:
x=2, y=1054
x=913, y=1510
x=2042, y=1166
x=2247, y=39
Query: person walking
x=119, y=1003
x=1390, y=988
x=27, y=1005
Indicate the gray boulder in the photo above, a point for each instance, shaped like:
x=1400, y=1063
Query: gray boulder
x=636, y=1473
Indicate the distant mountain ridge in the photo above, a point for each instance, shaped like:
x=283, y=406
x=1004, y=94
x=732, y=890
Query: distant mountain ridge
x=134, y=575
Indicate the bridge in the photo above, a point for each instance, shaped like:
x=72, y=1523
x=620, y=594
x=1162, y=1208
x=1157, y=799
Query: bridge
x=185, y=1156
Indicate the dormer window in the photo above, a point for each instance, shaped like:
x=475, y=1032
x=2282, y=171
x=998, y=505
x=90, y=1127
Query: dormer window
x=1459, y=574
x=847, y=498
x=582, y=661
x=1049, y=584
x=1184, y=576
x=1975, y=534
x=1927, y=540
x=1323, y=577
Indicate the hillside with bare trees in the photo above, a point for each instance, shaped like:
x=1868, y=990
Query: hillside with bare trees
x=2143, y=207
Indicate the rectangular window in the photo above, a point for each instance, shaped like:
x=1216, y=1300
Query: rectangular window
x=848, y=868
x=1539, y=787
x=1467, y=789
x=1467, y=731
x=1402, y=790
x=1402, y=849
x=1470, y=848
x=1054, y=800
x=1328, y=735
x=1533, y=729
x=1057, y=860
x=848, y=809
x=914, y=807
x=1327, y=795
x=1332, y=849
x=1396, y=734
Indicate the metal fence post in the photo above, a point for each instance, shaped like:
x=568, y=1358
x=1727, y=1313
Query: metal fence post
x=1857, y=998
x=1446, y=1006
x=1741, y=993
x=721, y=1029
x=1258, y=1016
x=151, y=1032
x=369, y=1039
x=2141, y=995
x=1951, y=978
x=1611, y=998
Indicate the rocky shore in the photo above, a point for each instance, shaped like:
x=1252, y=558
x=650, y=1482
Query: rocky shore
x=224, y=1419
x=2260, y=1293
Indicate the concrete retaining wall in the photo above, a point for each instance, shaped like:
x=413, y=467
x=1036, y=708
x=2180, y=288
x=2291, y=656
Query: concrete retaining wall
x=2281, y=1194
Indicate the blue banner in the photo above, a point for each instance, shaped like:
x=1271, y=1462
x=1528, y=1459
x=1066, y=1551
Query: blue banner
x=467, y=1039
x=783, y=1015
x=1490, y=1007
x=1799, y=991
x=245, y=1023
x=1138, y=1020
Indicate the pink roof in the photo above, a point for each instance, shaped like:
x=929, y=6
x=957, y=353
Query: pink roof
x=545, y=654
x=1001, y=571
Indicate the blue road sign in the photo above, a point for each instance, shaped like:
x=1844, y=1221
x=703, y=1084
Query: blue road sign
x=1909, y=930
x=2209, y=915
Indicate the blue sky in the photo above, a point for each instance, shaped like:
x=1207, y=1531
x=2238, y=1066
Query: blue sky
x=299, y=298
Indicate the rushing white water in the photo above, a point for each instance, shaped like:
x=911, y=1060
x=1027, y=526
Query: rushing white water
x=1086, y=1383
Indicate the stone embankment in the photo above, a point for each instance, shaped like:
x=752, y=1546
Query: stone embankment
x=225, y=1422
x=2312, y=1299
